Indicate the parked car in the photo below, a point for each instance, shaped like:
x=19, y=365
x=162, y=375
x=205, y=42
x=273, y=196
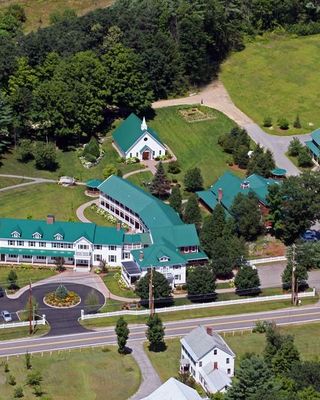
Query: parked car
x=309, y=235
x=6, y=316
x=1, y=292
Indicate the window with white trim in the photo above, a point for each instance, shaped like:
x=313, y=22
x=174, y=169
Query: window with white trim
x=112, y=258
x=113, y=248
x=31, y=244
x=27, y=256
x=37, y=235
x=83, y=246
x=41, y=257
x=20, y=243
x=177, y=277
x=11, y=242
x=42, y=244
x=215, y=352
x=229, y=371
x=97, y=257
x=227, y=360
x=98, y=246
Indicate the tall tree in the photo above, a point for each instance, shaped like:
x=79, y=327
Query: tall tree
x=193, y=180
x=212, y=229
x=175, y=199
x=261, y=162
x=192, y=214
x=155, y=333
x=247, y=280
x=201, y=283
x=160, y=185
x=161, y=288
x=122, y=332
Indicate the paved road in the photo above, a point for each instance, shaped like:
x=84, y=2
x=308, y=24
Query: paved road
x=173, y=329
x=216, y=96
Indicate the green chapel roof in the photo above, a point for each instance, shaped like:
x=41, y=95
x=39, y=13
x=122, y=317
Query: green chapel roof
x=152, y=211
x=130, y=131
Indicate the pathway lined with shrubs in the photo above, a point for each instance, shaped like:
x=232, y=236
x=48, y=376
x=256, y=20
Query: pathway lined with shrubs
x=216, y=96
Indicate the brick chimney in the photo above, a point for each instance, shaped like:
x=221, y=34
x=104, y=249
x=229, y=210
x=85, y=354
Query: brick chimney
x=209, y=330
x=50, y=219
x=220, y=194
x=141, y=255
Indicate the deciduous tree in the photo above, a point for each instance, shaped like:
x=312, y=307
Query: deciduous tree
x=201, y=283
x=155, y=333
x=122, y=332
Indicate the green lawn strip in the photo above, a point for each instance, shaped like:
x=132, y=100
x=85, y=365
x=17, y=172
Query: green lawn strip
x=265, y=80
x=5, y=182
x=25, y=274
x=306, y=337
x=94, y=217
x=112, y=284
x=37, y=201
x=200, y=313
x=223, y=285
x=295, y=162
x=140, y=179
x=38, y=12
x=194, y=144
x=23, y=332
x=70, y=375
x=112, y=305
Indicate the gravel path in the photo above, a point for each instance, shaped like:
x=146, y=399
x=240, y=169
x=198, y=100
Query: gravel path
x=216, y=96
x=33, y=181
x=80, y=210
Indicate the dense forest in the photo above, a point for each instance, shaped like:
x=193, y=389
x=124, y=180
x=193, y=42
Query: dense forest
x=64, y=82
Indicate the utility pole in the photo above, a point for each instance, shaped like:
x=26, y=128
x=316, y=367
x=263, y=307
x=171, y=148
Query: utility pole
x=30, y=309
x=151, y=294
x=293, y=276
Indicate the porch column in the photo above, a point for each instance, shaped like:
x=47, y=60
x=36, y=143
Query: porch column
x=18, y=260
x=5, y=258
x=32, y=260
x=46, y=261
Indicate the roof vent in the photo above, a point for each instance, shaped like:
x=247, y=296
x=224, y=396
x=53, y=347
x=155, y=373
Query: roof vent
x=209, y=330
x=144, y=125
x=245, y=185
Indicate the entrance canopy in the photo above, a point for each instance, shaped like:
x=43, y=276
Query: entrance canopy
x=93, y=183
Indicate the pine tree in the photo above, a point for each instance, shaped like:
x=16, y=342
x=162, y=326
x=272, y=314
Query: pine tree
x=122, y=332
x=297, y=123
x=160, y=185
x=201, y=283
x=192, y=214
x=193, y=180
x=155, y=333
x=175, y=199
x=213, y=227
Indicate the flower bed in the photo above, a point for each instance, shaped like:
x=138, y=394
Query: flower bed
x=72, y=299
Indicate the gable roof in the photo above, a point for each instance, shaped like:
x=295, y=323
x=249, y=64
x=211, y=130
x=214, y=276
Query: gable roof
x=172, y=389
x=129, y=132
x=216, y=379
x=316, y=136
x=152, y=211
x=198, y=342
x=178, y=235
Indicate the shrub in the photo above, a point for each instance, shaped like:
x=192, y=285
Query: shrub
x=25, y=150
x=90, y=158
x=267, y=122
x=61, y=292
x=304, y=158
x=297, y=123
x=18, y=392
x=283, y=123
x=37, y=390
x=109, y=170
x=6, y=367
x=12, y=280
x=174, y=167
x=295, y=147
x=46, y=156
x=34, y=378
x=92, y=148
x=261, y=326
x=12, y=380
x=28, y=360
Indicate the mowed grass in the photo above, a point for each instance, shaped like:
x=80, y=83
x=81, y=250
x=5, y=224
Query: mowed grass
x=96, y=218
x=38, y=11
x=277, y=78
x=195, y=144
x=23, y=332
x=306, y=337
x=25, y=274
x=86, y=375
x=140, y=179
x=112, y=284
x=5, y=182
x=37, y=201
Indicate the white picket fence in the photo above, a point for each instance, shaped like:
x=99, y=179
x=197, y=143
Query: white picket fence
x=41, y=321
x=197, y=305
x=267, y=260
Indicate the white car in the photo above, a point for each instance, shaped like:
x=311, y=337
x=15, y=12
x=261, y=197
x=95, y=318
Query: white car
x=6, y=316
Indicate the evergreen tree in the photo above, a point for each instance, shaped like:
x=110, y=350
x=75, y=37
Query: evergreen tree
x=160, y=185
x=213, y=227
x=295, y=147
x=12, y=279
x=297, y=123
x=193, y=180
x=175, y=199
x=300, y=273
x=247, y=280
x=285, y=357
x=201, y=283
x=304, y=158
x=192, y=214
x=240, y=156
x=122, y=332
x=261, y=163
x=161, y=287
x=155, y=333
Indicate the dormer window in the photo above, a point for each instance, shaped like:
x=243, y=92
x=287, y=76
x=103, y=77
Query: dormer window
x=163, y=259
x=37, y=235
x=58, y=236
x=15, y=234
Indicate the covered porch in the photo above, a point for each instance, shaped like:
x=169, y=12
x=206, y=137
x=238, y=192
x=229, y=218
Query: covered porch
x=130, y=272
x=34, y=256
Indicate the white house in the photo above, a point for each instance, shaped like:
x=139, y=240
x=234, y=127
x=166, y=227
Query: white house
x=172, y=389
x=133, y=138
x=208, y=359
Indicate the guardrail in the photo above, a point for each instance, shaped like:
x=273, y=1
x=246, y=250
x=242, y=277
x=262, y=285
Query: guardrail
x=41, y=321
x=195, y=306
x=267, y=260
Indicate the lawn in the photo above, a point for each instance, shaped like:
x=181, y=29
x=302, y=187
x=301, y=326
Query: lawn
x=307, y=340
x=36, y=201
x=17, y=333
x=96, y=218
x=38, y=11
x=199, y=313
x=25, y=274
x=140, y=178
x=195, y=144
x=277, y=77
x=111, y=281
x=87, y=375
x=5, y=182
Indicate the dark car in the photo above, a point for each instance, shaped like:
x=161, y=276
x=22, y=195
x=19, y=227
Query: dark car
x=1, y=292
x=309, y=235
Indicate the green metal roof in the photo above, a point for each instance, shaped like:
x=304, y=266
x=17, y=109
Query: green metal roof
x=127, y=134
x=194, y=256
x=208, y=197
x=143, y=238
x=37, y=252
x=279, y=172
x=153, y=212
x=313, y=148
x=316, y=136
x=153, y=254
x=177, y=235
x=93, y=183
x=71, y=231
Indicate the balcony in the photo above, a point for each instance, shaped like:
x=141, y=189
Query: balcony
x=82, y=254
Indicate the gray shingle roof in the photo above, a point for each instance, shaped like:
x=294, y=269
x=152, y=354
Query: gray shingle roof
x=200, y=342
x=173, y=390
x=215, y=378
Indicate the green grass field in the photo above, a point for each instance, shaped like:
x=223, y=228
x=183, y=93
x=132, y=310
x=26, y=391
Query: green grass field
x=25, y=274
x=277, y=78
x=38, y=11
x=36, y=201
x=86, y=375
x=113, y=286
x=17, y=333
x=5, y=182
x=96, y=218
x=140, y=178
x=307, y=340
x=194, y=144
